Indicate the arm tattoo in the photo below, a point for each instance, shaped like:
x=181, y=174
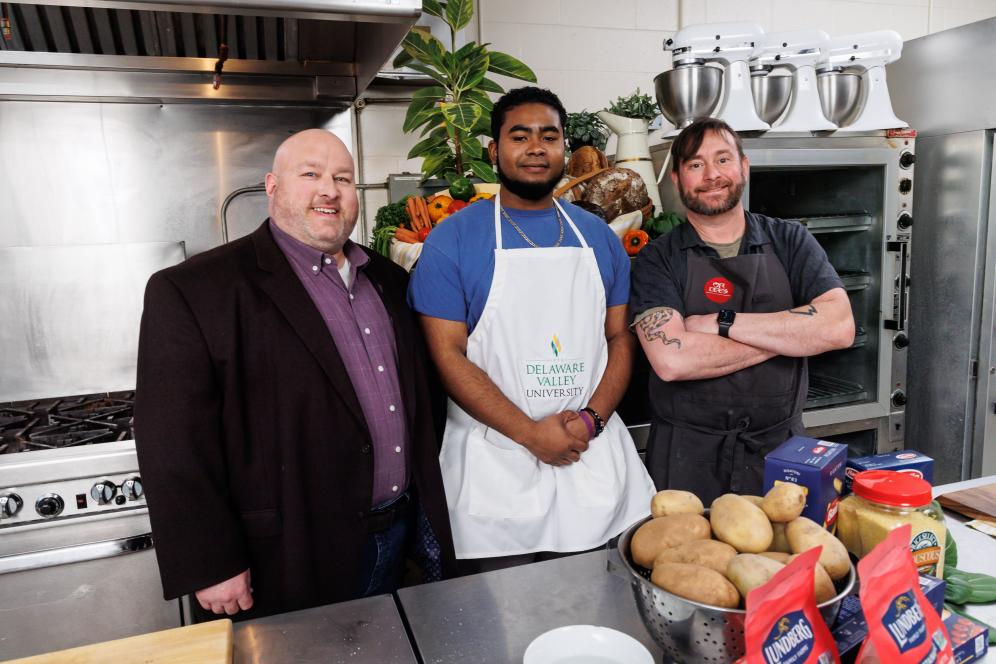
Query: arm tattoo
x=809, y=311
x=653, y=326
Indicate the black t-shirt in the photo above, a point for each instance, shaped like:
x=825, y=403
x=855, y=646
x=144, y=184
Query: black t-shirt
x=660, y=269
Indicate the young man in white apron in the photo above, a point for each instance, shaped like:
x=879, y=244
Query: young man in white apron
x=523, y=303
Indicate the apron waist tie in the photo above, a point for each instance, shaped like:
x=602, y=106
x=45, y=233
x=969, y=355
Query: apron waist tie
x=731, y=455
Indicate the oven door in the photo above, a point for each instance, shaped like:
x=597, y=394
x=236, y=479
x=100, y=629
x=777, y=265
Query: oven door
x=76, y=582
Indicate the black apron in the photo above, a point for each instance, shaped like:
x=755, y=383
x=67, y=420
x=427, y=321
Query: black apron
x=710, y=436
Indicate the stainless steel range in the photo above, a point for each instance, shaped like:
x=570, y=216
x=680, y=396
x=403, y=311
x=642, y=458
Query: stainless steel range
x=76, y=558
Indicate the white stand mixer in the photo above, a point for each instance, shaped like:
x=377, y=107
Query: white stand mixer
x=732, y=45
x=799, y=51
x=869, y=53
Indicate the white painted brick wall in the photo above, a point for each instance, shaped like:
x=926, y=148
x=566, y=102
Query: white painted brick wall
x=591, y=51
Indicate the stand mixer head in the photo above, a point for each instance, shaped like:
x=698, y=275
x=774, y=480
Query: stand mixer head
x=798, y=51
x=867, y=53
x=728, y=44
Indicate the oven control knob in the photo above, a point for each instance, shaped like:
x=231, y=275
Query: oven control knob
x=49, y=505
x=898, y=398
x=907, y=159
x=901, y=341
x=905, y=186
x=103, y=492
x=904, y=221
x=132, y=488
x=10, y=505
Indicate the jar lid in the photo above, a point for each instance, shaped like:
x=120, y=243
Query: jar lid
x=891, y=487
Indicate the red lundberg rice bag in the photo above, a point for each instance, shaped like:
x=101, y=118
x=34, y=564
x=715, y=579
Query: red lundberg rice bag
x=903, y=627
x=783, y=625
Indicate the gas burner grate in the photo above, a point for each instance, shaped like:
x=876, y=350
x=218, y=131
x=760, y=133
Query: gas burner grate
x=43, y=424
x=71, y=434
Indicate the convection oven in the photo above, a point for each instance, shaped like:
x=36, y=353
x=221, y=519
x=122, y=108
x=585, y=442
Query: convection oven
x=854, y=194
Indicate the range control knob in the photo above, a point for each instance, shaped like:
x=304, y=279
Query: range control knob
x=898, y=398
x=904, y=222
x=10, y=505
x=905, y=186
x=49, y=505
x=132, y=488
x=103, y=492
x=907, y=159
x=901, y=341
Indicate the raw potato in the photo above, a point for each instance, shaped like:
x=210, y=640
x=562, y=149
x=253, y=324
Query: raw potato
x=665, y=532
x=707, y=553
x=804, y=534
x=672, y=501
x=740, y=524
x=697, y=583
x=757, y=500
x=779, y=541
x=750, y=570
x=825, y=589
x=784, y=502
x=777, y=556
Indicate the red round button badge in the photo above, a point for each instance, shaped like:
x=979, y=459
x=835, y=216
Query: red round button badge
x=718, y=289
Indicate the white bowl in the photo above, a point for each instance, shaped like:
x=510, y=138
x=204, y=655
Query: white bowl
x=586, y=644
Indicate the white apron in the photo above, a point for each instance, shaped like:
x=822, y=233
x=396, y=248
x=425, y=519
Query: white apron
x=541, y=339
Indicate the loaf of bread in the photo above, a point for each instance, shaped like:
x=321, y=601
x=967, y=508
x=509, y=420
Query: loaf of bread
x=617, y=191
x=585, y=160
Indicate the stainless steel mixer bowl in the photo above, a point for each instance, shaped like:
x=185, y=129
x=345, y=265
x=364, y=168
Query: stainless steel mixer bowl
x=771, y=95
x=840, y=96
x=687, y=93
x=690, y=632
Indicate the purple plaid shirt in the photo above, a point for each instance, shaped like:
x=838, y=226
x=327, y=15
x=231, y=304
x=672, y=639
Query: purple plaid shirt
x=364, y=336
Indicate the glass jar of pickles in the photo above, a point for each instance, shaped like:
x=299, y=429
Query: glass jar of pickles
x=886, y=499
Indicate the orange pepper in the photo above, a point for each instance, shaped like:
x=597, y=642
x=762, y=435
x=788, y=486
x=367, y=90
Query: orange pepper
x=634, y=241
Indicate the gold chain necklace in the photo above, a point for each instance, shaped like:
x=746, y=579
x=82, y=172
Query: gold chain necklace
x=526, y=237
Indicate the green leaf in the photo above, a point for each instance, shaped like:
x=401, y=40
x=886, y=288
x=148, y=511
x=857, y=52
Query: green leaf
x=421, y=148
x=506, y=65
x=430, y=72
x=483, y=170
x=434, y=8
x=469, y=145
x=417, y=111
x=479, y=98
x=475, y=69
x=459, y=13
x=487, y=85
x=436, y=164
x=434, y=122
x=434, y=92
x=428, y=50
x=402, y=59
x=462, y=115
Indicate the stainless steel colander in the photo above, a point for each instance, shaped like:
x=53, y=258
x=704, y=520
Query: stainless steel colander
x=690, y=632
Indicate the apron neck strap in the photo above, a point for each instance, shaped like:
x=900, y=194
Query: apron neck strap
x=557, y=205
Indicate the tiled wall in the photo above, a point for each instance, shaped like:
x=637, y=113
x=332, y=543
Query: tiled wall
x=591, y=51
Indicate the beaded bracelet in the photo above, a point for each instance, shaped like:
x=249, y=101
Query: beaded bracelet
x=588, y=422
x=599, y=422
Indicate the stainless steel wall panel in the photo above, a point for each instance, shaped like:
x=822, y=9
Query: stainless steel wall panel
x=983, y=444
x=947, y=275
x=944, y=81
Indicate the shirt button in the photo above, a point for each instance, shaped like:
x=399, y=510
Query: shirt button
x=366, y=330
x=314, y=268
x=398, y=449
x=394, y=488
x=328, y=260
x=391, y=408
x=380, y=368
x=351, y=296
x=365, y=449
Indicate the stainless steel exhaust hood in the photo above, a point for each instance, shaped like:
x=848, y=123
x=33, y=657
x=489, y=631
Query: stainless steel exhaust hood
x=310, y=52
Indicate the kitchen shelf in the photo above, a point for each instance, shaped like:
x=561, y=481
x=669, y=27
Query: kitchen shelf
x=828, y=391
x=854, y=280
x=835, y=223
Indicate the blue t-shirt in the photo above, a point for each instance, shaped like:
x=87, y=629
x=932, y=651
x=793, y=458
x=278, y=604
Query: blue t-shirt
x=453, y=276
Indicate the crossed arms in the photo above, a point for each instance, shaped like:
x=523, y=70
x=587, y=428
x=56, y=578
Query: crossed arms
x=691, y=349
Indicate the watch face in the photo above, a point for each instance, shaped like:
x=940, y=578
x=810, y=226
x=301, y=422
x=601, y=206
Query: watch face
x=726, y=316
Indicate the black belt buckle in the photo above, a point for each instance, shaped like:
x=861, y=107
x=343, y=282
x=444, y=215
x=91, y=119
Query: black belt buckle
x=380, y=520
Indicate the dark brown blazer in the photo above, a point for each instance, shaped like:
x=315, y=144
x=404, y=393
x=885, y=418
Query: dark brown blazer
x=251, y=442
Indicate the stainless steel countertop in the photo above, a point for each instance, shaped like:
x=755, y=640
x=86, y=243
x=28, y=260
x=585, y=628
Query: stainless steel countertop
x=363, y=631
x=494, y=616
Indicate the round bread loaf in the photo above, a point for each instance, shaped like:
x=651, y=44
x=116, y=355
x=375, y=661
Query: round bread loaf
x=617, y=191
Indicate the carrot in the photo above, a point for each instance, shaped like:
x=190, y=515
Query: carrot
x=423, y=208
x=412, y=213
x=405, y=235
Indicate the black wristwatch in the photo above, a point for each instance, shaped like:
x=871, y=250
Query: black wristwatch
x=726, y=318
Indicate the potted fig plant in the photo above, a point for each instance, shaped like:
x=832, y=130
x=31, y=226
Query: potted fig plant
x=584, y=128
x=629, y=117
x=454, y=113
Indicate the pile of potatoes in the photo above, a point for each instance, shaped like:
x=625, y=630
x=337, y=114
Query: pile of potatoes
x=740, y=546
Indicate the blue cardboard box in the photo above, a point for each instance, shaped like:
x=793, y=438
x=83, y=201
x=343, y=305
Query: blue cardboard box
x=904, y=461
x=817, y=465
x=969, y=639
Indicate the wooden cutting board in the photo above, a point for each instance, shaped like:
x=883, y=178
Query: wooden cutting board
x=976, y=503
x=204, y=643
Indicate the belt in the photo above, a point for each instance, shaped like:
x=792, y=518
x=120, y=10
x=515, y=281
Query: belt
x=380, y=519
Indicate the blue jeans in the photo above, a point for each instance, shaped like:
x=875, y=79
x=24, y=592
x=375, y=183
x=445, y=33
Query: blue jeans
x=383, y=560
